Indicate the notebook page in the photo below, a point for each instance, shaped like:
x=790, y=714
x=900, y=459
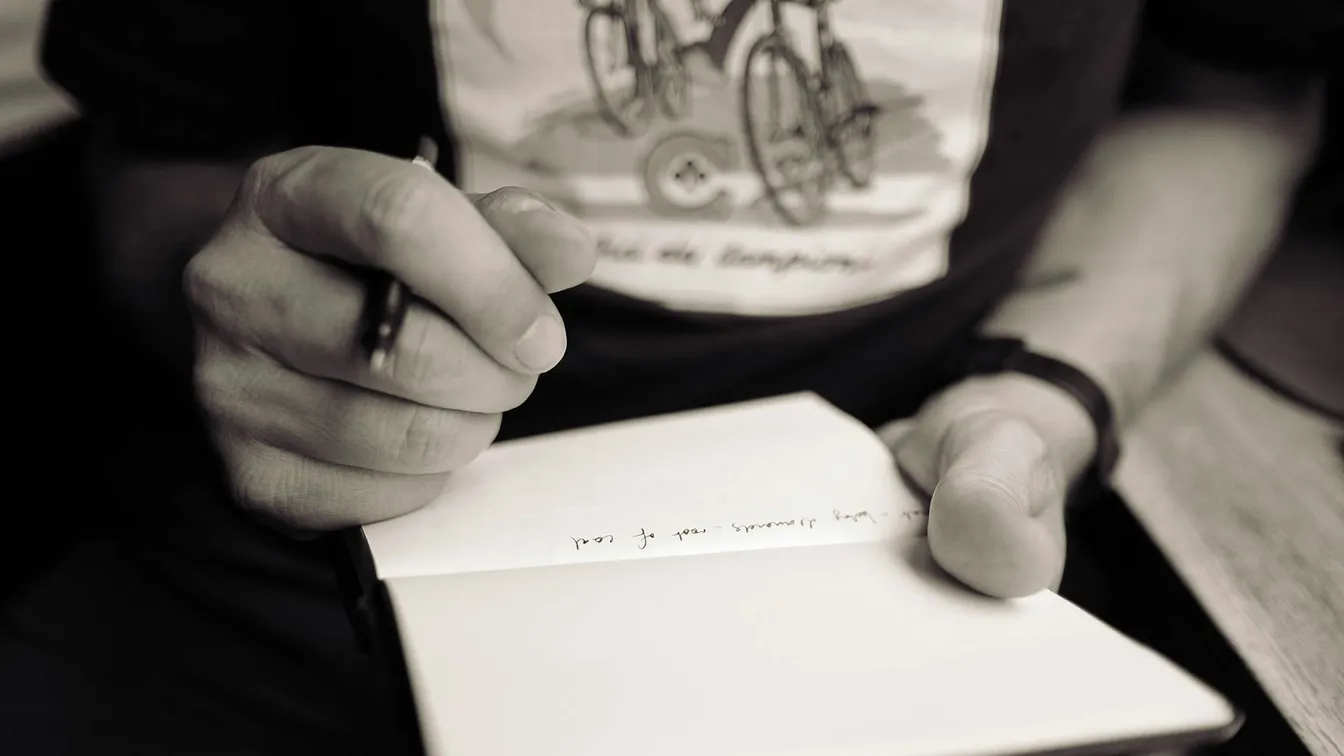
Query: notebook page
x=859, y=649
x=774, y=473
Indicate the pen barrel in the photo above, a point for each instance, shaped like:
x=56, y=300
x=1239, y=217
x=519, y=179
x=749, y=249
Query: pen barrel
x=388, y=298
x=388, y=302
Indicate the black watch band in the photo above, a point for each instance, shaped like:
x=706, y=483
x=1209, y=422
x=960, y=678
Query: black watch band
x=991, y=355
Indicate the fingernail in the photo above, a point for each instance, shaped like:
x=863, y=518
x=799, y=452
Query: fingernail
x=542, y=346
x=542, y=202
x=526, y=201
x=529, y=209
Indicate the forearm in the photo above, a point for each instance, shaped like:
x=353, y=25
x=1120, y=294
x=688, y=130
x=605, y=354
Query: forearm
x=1171, y=216
x=151, y=215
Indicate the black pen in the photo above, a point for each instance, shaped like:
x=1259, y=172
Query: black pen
x=389, y=298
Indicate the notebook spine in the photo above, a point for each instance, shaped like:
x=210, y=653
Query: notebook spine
x=374, y=623
x=358, y=580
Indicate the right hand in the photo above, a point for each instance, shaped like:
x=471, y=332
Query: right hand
x=310, y=435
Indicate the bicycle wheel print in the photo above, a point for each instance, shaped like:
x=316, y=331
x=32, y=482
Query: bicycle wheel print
x=784, y=132
x=622, y=85
x=851, y=117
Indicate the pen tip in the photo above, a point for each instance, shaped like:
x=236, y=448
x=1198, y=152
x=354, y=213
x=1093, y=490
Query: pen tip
x=378, y=359
x=428, y=151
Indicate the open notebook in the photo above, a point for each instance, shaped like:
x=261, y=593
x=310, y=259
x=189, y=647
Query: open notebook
x=749, y=580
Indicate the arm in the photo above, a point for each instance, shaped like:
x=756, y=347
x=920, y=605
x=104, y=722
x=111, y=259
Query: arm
x=177, y=114
x=1167, y=221
x=151, y=215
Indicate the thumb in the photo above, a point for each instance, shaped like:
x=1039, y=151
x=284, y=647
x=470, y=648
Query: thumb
x=554, y=246
x=996, y=519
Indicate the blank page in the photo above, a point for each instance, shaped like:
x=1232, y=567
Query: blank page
x=847, y=650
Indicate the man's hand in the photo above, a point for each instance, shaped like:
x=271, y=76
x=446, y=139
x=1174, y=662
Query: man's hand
x=998, y=454
x=311, y=436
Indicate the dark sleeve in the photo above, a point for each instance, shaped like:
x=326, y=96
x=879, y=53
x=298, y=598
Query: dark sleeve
x=198, y=77
x=1269, y=36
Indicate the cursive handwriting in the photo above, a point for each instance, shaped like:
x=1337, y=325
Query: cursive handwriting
x=838, y=518
x=806, y=523
x=579, y=543
x=860, y=516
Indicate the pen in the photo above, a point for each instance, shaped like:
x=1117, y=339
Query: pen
x=389, y=298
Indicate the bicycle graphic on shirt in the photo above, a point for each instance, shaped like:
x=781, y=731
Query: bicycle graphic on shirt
x=809, y=123
x=801, y=127
x=633, y=59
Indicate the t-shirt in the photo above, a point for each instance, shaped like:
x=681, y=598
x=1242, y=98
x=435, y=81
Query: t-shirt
x=742, y=253
x=190, y=628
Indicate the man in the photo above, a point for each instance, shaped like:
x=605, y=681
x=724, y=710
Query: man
x=1011, y=197
x=706, y=58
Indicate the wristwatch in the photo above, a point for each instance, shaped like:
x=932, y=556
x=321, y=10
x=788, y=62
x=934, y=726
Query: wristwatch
x=992, y=355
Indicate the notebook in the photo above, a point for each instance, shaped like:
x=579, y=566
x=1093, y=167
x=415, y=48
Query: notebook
x=747, y=580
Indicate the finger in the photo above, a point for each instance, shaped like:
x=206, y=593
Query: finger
x=307, y=314
x=307, y=494
x=377, y=211
x=555, y=247
x=334, y=422
x=893, y=433
x=896, y=436
x=996, y=519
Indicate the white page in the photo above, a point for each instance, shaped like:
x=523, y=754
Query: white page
x=786, y=471
x=832, y=638
x=848, y=650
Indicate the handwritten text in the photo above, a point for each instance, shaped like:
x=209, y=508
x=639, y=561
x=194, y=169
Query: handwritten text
x=647, y=537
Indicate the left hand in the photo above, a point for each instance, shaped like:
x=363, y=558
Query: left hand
x=998, y=454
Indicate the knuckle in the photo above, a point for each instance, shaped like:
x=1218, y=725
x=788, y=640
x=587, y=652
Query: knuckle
x=267, y=183
x=235, y=389
x=264, y=481
x=433, y=370
x=435, y=441
x=1010, y=432
x=220, y=277
x=213, y=377
x=427, y=438
x=1004, y=490
x=202, y=281
x=207, y=381
x=284, y=487
x=268, y=170
x=395, y=205
x=257, y=176
x=418, y=365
